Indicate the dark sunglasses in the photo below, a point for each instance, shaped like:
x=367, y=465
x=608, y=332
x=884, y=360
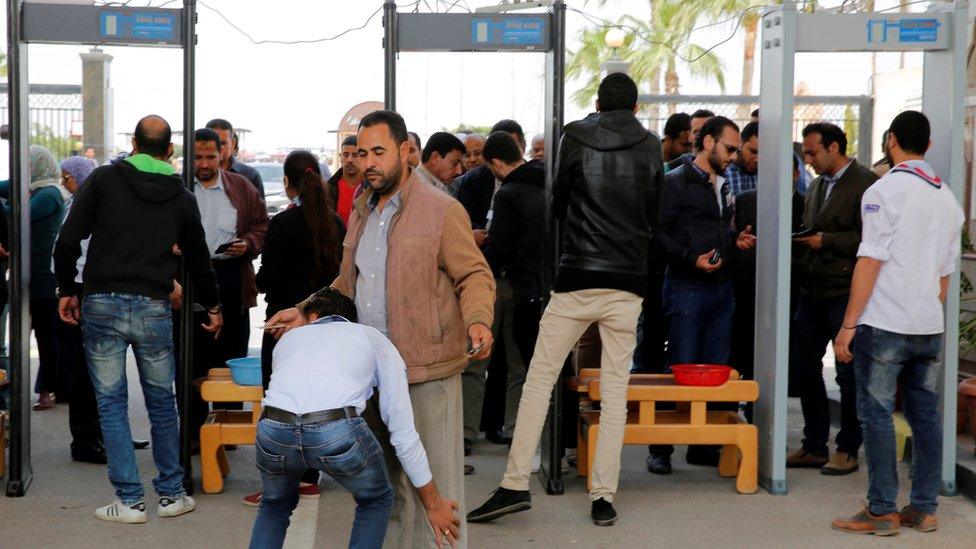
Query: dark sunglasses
x=730, y=149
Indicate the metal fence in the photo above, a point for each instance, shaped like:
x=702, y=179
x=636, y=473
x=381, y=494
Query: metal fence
x=55, y=112
x=854, y=114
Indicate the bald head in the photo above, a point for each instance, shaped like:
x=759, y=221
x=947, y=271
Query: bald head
x=152, y=137
x=474, y=144
x=538, y=150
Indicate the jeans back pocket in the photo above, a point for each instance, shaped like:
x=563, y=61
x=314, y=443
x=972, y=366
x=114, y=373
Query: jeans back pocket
x=272, y=464
x=347, y=463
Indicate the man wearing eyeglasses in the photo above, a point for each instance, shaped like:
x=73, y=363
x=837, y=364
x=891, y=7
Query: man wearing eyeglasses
x=699, y=241
x=833, y=214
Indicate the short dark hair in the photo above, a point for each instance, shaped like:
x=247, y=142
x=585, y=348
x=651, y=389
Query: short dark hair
x=617, y=92
x=392, y=120
x=152, y=141
x=206, y=134
x=912, y=131
x=702, y=113
x=501, y=146
x=416, y=138
x=714, y=127
x=749, y=131
x=829, y=133
x=754, y=114
x=220, y=124
x=509, y=126
x=326, y=302
x=677, y=123
x=349, y=141
x=442, y=143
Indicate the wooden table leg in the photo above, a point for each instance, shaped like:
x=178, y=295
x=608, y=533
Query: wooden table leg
x=748, y=480
x=728, y=464
x=213, y=480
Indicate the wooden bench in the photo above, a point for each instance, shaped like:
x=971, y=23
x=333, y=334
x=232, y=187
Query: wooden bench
x=225, y=426
x=690, y=423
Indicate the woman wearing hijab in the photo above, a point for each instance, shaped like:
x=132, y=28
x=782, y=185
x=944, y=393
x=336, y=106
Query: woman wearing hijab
x=47, y=198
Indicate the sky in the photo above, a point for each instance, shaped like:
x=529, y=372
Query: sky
x=293, y=95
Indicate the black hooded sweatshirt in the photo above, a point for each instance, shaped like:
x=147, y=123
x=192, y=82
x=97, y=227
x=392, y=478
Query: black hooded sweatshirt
x=607, y=189
x=134, y=218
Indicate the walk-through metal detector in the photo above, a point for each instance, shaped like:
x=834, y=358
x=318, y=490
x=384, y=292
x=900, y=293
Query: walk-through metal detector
x=73, y=24
x=941, y=34
x=498, y=32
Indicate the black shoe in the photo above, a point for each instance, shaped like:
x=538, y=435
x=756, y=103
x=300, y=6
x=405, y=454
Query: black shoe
x=497, y=437
x=468, y=469
x=704, y=455
x=89, y=453
x=603, y=513
x=502, y=502
x=659, y=465
x=467, y=447
x=140, y=444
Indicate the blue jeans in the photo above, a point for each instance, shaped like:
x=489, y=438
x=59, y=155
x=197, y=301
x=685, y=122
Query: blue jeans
x=345, y=449
x=700, y=314
x=110, y=323
x=881, y=359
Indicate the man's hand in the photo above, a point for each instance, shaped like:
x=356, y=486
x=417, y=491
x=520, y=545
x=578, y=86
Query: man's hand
x=702, y=263
x=176, y=250
x=445, y=523
x=814, y=242
x=480, y=237
x=216, y=323
x=69, y=310
x=287, y=319
x=480, y=337
x=842, y=345
x=4, y=254
x=176, y=296
x=746, y=240
x=237, y=249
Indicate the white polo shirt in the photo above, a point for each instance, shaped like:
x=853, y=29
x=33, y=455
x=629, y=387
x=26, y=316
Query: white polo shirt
x=913, y=224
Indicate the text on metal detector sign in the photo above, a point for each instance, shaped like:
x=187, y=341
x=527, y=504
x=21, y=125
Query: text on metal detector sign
x=522, y=31
x=140, y=26
x=906, y=31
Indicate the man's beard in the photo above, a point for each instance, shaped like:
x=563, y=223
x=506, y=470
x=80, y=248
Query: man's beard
x=389, y=181
x=717, y=165
x=206, y=175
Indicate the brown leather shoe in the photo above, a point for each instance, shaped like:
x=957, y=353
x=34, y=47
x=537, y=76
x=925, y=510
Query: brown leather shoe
x=841, y=463
x=45, y=401
x=866, y=523
x=802, y=458
x=923, y=522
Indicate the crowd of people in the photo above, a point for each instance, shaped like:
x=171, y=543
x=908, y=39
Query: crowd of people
x=408, y=308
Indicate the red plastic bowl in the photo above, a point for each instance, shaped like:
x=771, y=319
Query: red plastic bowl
x=701, y=375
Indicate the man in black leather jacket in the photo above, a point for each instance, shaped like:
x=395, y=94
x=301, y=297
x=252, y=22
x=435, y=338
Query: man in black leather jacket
x=607, y=191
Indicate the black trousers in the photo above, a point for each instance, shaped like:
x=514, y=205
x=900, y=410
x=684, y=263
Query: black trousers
x=51, y=378
x=650, y=356
x=83, y=412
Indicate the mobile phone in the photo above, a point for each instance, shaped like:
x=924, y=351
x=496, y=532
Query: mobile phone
x=716, y=257
x=804, y=232
x=223, y=247
x=476, y=350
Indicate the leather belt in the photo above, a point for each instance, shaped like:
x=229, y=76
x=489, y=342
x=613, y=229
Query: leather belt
x=284, y=416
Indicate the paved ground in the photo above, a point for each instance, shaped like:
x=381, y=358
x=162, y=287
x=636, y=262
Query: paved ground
x=693, y=507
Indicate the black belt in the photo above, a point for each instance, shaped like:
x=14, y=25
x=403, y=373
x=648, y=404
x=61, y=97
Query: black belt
x=284, y=416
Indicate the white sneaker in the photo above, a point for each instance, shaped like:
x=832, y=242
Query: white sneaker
x=134, y=513
x=536, y=460
x=174, y=507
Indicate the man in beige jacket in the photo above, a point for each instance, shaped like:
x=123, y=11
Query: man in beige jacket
x=411, y=265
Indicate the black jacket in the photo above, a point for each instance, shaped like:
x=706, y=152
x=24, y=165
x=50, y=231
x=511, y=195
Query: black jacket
x=474, y=192
x=691, y=224
x=607, y=189
x=747, y=215
x=516, y=243
x=827, y=272
x=134, y=218
x=287, y=264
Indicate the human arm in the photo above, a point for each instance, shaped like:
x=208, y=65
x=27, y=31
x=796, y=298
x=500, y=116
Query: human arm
x=664, y=237
x=466, y=266
x=567, y=159
x=77, y=227
x=502, y=233
x=255, y=224
x=862, y=284
x=196, y=256
x=274, y=257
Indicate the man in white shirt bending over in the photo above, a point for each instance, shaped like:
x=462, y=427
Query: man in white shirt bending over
x=322, y=375
x=910, y=244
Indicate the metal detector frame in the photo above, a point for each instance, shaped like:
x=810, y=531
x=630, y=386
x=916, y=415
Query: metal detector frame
x=555, y=49
x=18, y=36
x=786, y=32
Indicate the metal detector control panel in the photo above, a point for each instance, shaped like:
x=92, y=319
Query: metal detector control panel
x=872, y=32
x=473, y=32
x=98, y=25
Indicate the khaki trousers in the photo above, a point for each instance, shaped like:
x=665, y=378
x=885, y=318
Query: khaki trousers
x=564, y=321
x=437, y=413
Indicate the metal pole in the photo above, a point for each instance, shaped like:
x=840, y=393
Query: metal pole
x=390, y=49
x=185, y=389
x=20, y=471
x=550, y=473
x=865, y=127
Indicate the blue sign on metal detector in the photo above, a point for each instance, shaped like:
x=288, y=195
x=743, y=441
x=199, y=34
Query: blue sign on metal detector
x=904, y=31
x=521, y=31
x=150, y=26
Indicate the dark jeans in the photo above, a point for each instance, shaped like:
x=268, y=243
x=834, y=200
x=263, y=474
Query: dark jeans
x=236, y=329
x=111, y=323
x=700, y=314
x=880, y=357
x=83, y=411
x=650, y=355
x=345, y=449
x=817, y=322
x=44, y=321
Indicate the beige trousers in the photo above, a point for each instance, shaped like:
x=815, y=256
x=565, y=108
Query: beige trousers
x=564, y=321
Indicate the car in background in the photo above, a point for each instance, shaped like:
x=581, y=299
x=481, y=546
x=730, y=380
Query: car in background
x=273, y=175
